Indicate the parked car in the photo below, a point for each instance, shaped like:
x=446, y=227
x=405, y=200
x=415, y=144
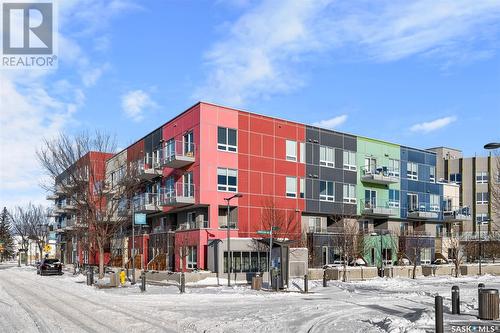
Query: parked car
x=49, y=266
x=441, y=261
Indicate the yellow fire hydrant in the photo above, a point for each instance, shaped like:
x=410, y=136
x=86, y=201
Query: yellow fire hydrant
x=123, y=278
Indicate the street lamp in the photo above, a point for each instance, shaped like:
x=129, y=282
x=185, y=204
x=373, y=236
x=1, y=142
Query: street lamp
x=228, y=226
x=492, y=145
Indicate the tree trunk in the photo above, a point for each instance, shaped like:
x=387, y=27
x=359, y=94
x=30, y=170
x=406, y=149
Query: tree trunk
x=101, y=261
x=41, y=249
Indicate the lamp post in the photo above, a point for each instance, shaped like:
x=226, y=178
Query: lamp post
x=228, y=226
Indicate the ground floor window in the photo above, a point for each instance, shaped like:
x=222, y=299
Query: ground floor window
x=192, y=257
x=425, y=255
x=247, y=261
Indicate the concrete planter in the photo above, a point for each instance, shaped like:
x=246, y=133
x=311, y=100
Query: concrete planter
x=402, y=271
x=438, y=270
x=359, y=273
x=473, y=269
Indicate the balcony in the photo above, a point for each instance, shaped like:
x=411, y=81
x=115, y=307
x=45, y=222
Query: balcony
x=379, y=175
x=146, y=203
x=146, y=171
x=424, y=212
x=178, y=154
x=193, y=225
x=52, y=196
x=177, y=196
x=379, y=209
x=455, y=214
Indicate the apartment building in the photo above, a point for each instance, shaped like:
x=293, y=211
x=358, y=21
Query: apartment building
x=475, y=177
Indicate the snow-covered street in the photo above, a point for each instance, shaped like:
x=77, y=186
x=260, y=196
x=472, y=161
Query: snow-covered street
x=31, y=303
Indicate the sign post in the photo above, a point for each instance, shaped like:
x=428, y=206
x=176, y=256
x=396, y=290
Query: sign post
x=270, y=233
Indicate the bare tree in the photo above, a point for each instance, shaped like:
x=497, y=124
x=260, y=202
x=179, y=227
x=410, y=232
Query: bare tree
x=346, y=239
x=75, y=165
x=411, y=245
x=282, y=222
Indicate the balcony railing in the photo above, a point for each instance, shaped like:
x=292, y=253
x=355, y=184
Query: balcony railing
x=178, y=195
x=146, y=203
x=379, y=208
x=424, y=211
x=379, y=175
x=146, y=171
x=193, y=225
x=178, y=154
x=456, y=213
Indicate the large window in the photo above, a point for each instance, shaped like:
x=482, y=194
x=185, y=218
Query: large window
x=425, y=255
x=482, y=177
x=188, y=144
x=432, y=174
x=226, y=139
x=192, y=257
x=326, y=156
x=247, y=261
x=227, y=180
x=456, y=178
x=349, y=193
x=326, y=191
x=291, y=150
x=482, y=198
x=315, y=224
x=412, y=171
x=393, y=168
x=482, y=218
x=302, y=184
x=394, y=198
x=349, y=160
x=412, y=202
x=434, y=202
x=291, y=187
x=302, y=152
x=370, y=199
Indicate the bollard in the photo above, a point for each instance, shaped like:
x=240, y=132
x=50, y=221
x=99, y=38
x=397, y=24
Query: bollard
x=455, y=300
x=306, y=286
x=183, y=283
x=324, y=278
x=88, y=278
x=143, y=282
x=479, y=287
x=91, y=276
x=438, y=305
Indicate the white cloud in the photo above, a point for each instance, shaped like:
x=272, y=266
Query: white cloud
x=433, y=125
x=258, y=54
x=135, y=102
x=332, y=122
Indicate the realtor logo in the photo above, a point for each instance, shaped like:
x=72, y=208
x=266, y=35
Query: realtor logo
x=28, y=31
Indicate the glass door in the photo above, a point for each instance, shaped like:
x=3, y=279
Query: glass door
x=188, y=143
x=370, y=199
x=188, y=184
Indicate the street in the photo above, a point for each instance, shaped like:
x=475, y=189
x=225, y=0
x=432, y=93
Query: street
x=32, y=303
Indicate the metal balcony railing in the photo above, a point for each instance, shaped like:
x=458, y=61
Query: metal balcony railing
x=178, y=195
x=375, y=208
x=424, y=211
x=456, y=213
x=380, y=174
x=146, y=203
x=193, y=225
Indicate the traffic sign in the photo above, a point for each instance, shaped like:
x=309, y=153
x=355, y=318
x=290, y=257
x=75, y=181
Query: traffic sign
x=264, y=232
x=140, y=218
x=47, y=248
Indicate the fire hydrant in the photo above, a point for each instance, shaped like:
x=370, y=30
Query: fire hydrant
x=123, y=278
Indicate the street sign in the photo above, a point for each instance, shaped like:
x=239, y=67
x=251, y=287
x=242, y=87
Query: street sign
x=275, y=228
x=140, y=218
x=264, y=232
x=47, y=248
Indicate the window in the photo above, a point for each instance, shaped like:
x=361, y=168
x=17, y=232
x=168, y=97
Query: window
x=349, y=193
x=439, y=230
x=434, y=203
x=432, y=174
x=456, y=178
x=302, y=152
x=412, y=171
x=245, y=261
x=291, y=150
x=233, y=217
x=192, y=260
x=498, y=177
x=370, y=199
x=325, y=255
x=349, y=160
x=227, y=180
x=326, y=156
x=226, y=139
x=188, y=144
x=370, y=165
x=394, y=198
x=403, y=228
x=482, y=198
x=315, y=224
x=302, y=183
x=412, y=202
x=326, y=191
x=425, y=255
x=447, y=204
x=364, y=226
x=393, y=168
x=482, y=218
x=482, y=177
x=188, y=189
x=291, y=187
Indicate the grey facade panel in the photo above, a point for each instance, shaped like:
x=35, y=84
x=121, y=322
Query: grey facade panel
x=350, y=143
x=350, y=177
x=330, y=139
x=339, y=158
x=312, y=134
x=312, y=206
x=331, y=174
x=311, y=171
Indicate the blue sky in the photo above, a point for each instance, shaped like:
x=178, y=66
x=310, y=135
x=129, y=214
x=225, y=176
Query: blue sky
x=421, y=73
